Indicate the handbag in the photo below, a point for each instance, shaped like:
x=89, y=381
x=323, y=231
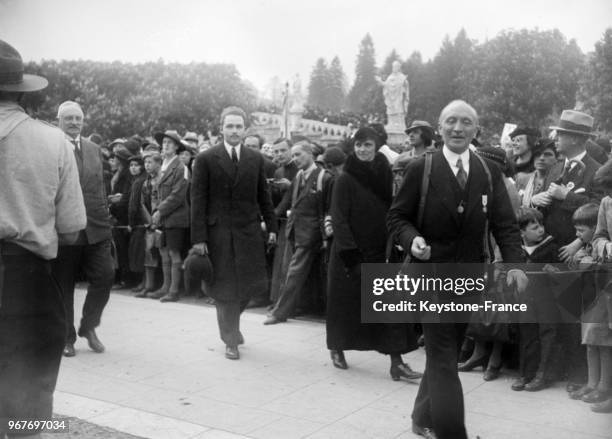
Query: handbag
x=493, y=325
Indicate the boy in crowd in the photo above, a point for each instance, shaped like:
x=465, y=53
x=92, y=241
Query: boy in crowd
x=538, y=332
x=585, y=221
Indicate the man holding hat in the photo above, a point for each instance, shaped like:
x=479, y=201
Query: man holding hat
x=91, y=253
x=42, y=206
x=229, y=193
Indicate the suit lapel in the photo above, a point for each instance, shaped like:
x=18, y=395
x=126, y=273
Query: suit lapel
x=225, y=162
x=477, y=185
x=169, y=170
x=244, y=164
x=308, y=185
x=445, y=184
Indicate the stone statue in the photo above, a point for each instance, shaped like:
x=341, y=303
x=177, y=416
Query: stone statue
x=297, y=99
x=396, y=93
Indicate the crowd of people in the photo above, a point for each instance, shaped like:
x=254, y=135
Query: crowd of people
x=287, y=224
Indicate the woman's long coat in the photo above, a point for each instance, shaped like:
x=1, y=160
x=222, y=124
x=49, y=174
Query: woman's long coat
x=227, y=202
x=359, y=222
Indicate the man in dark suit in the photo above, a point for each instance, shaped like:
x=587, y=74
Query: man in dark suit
x=459, y=201
x=570, y=185
x=91, y=254
x=308, y=205
x=228, y=194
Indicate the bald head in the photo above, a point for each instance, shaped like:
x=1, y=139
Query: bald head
x=458, y=125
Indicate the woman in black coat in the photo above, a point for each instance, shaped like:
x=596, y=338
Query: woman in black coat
x=360, y=201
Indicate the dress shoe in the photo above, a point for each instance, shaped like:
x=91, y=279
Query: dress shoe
x=472, y=364
x=119, y=286
x=69, y=350
x=272, y=320
x=602, y=407
x=157, y=294
x=209, y=300
x=572, y=387
x=596, y=396
x=426, y=432
x=578, y=394
x=170, y=297
x=519, y=384
x=338, y=359
x=537, y=384
x=92, y=340
x=404, y=371
x=231, y=352
x=492, y=373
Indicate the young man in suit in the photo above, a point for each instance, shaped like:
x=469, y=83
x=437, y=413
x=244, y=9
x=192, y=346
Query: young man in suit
x=91, y=253
x=452, y=231
x=229, y=192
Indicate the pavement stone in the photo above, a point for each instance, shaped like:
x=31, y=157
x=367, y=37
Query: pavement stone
x=164, y=375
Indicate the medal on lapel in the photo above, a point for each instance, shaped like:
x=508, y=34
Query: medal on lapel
x=460, y=208
x=571, y=185
x=485, y=201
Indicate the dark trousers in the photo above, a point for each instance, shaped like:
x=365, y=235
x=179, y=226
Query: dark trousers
x=439, y=401
x=537, y=344
x=228, y=318
x=96, y=262
x=297, y=275
x=32, y=337
x=573, y=352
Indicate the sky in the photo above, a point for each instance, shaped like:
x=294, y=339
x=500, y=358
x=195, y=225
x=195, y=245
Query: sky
x=267, y=38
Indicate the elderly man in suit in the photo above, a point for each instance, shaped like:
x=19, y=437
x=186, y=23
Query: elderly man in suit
x=229, y=193
x=308, y=205
x=452, y=231
x=91, y=253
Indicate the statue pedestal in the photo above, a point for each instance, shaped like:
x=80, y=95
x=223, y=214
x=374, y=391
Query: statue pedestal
x=396, y=128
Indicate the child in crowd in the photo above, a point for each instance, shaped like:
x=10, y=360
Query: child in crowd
x=597, y=319
x=152, y=164
x=136, y=221
x=585, y=220
x=538, y=334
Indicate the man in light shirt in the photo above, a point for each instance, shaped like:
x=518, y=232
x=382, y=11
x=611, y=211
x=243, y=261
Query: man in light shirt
x=42, y=206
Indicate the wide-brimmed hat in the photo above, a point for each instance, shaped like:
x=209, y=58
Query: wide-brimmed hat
x=575, y=122
x=12, y=77
x=171, y=134
x=197, y=268
x=118, y=141
x=421, y=124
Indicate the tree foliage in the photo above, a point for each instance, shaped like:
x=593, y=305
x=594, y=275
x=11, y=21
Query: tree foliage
x=318, y=85
x=596, y=83
x=522, y=77
x=364, y=88
x=121, y=99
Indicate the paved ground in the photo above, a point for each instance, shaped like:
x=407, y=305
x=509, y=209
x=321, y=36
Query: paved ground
x=164, y=376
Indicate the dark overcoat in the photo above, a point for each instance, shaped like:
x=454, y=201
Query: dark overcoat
x=358, y=219
x=226, y=201
x=558, y=216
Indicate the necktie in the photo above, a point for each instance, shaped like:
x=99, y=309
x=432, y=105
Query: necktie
x=461, y=175
x=76, y=145
x=567, y=168
x=234, y=155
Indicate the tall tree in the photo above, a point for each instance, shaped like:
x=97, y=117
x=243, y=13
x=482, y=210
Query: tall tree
x=318, y=85
x=522, y=77
x=422, y=87
x=365, y=85
x=596, y=83
x=337, y=86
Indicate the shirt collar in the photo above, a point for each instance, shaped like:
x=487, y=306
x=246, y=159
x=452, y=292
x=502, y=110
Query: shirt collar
x=580, y=157
x=309, y=170
x=451, y=157
x=229, y=147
